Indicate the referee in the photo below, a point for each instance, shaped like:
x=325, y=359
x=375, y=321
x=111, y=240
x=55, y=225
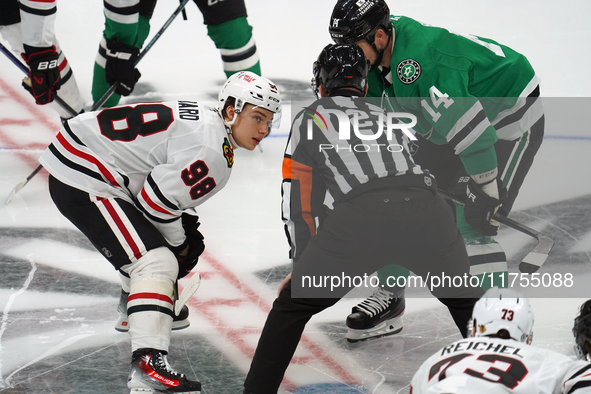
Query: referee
x=385, y=210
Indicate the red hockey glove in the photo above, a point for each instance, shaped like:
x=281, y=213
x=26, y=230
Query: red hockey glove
x=44, y=73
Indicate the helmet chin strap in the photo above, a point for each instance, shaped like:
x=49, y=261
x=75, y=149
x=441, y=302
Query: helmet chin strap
x=228, y=124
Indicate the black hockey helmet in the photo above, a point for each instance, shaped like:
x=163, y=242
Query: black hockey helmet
x=582, y=331
x=340, y=66
x=356, y=20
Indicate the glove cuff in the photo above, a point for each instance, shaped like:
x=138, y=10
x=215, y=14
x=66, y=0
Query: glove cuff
x=485, y=177
x=37, y=53
x=120, y=50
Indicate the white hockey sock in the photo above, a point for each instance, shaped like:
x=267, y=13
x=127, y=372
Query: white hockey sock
x=150, y=302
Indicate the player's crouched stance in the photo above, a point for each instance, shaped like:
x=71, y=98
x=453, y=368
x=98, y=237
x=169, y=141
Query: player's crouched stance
x=128, y=177
x=500, y=359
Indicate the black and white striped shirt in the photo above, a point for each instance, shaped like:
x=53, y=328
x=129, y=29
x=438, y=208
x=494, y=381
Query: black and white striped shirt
x=319, y=162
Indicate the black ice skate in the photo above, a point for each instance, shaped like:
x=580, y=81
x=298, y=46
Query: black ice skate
x=379, y=315
x=151, y=373
x=178, y=322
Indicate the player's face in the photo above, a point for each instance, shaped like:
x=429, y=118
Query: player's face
x=370, y=54
x=382, y=41
x=252, y=125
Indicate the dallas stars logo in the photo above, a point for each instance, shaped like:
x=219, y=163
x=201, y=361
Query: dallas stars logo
x=408, y=71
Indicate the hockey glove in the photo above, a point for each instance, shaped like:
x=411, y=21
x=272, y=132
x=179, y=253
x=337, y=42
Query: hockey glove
x=194, y=240
x=44, y=73
x=120, y=66
x=482, y=202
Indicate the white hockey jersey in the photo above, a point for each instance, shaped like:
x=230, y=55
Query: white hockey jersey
x=494, y=366
x=163, y=157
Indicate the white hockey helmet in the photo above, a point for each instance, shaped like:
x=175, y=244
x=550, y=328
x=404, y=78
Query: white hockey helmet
x=248, y=87
x=502, y=309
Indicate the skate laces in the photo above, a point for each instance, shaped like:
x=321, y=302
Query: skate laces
x=162, y=362
x=376, y=303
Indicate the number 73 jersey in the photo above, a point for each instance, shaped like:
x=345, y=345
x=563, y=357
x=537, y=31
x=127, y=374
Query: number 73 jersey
x=162, y=157
x=495, y=366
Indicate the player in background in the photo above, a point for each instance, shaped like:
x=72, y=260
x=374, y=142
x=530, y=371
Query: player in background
x=384, y=206
x=480, y=124
x=498, y=356
x=129, y=179
x=127, y=24
x=29, y=28
x=582, y=332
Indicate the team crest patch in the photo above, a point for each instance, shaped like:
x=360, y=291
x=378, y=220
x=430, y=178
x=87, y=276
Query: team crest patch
x=228, y=152
x=408, y=71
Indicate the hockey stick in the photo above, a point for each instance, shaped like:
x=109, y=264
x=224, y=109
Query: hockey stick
x=534, y=259
x=114, y=87
x=188, y=290
x=21, y=185
x=102, y=100
x=57, y=98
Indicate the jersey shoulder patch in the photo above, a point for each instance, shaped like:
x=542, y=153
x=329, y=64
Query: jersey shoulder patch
x=408, y=71
x=228, y=152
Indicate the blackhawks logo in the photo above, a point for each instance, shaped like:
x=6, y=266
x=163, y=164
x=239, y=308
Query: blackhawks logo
x=408, y=71
x=228, y=152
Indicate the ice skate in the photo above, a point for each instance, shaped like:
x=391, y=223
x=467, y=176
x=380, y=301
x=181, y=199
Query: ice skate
x=377, y=316
x=151, y=373
x=178, y=322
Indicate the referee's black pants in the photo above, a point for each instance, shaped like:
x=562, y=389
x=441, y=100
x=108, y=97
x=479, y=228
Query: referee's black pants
x=411, y=227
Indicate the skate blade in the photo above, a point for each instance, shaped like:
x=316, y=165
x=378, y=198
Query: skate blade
x=123, y=326
x=389, y=327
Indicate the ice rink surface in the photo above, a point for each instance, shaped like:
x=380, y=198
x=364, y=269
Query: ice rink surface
x=58, y=296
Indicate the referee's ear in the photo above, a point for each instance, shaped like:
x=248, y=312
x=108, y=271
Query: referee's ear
x=321, y=91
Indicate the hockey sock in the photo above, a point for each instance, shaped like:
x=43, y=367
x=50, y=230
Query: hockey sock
x=389, y=276
x=68, y=90
x=236, y=43
x=149, y=311
x=488, y=261
x=150, y=302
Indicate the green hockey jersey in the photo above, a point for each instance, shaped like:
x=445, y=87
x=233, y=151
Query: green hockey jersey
x=466, y=91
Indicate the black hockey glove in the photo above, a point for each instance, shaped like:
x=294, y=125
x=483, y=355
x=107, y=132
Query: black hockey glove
x=44, y=73
x=480, y=207
x=120, y=66
x=194, y=239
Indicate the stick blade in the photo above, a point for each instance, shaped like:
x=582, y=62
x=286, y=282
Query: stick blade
x=13, y=192
x=532, y=262
x=188, y=290
x=537, y=257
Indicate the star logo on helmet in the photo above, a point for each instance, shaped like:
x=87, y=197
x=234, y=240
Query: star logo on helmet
x=408, y=71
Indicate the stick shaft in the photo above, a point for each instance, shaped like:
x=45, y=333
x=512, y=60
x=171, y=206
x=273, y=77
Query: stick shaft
x=534, y=259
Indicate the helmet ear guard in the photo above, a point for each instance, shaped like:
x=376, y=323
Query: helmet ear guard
x=499, y=311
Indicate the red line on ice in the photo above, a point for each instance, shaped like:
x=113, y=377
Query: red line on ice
x=250, y=296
